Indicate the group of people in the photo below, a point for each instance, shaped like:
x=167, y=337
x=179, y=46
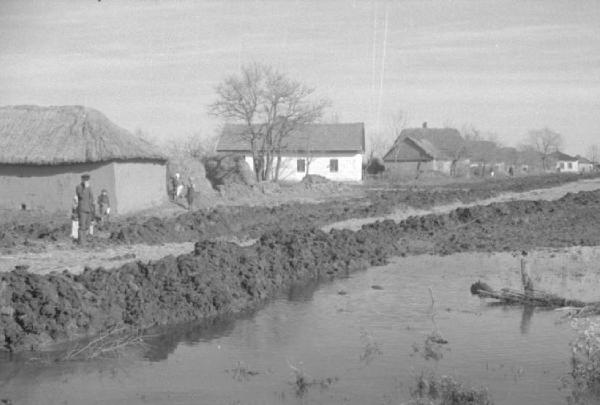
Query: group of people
x=177, y=188
x=84, y=214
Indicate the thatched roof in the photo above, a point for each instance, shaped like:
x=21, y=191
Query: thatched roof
x=65, y=135
x=483, y=151
x=308, y=138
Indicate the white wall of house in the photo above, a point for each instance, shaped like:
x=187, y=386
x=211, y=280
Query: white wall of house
x=567, y=166
x=349, y=166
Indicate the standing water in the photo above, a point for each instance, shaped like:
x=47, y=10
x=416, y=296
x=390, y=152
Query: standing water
x=362, y=338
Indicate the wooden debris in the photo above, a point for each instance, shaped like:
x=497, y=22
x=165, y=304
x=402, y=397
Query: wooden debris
x=529, y=296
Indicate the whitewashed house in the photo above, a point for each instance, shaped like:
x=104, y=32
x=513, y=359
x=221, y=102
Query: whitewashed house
x=565, y=163
x=334, y=151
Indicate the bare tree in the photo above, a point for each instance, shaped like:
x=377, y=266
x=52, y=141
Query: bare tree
x=470, y=133
x=545, y=142
x=271, y=106
x=309, y=153
x=593, y=153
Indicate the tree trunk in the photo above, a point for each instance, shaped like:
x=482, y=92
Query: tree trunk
x=278, y=165
x=268, y=165
x=255, y=160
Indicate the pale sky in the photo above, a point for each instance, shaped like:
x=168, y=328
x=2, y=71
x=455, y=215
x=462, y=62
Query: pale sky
x=502, y=66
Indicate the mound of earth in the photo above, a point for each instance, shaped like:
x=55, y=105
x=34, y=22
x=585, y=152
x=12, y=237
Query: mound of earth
x=228, y=169
x=37, y=311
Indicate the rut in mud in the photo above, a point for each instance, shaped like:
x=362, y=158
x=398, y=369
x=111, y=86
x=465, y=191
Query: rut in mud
x=219, y=277
x=251, y=222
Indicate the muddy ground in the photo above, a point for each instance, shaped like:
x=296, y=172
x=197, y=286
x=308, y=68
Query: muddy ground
x=37, y=311
x=246, y=222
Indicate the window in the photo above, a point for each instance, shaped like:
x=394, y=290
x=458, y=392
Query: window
x=333, y=165
x=570, y=165
x=300, y=165
x=562, y=165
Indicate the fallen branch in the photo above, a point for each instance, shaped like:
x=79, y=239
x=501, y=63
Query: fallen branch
x=529, y=296
x=532, y=297
x=108, y=344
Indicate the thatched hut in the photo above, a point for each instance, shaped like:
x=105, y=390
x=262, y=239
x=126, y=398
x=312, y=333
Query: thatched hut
x=44, y=151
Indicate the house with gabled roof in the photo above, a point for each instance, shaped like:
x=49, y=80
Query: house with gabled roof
x=564, y=163
x=418, y=150
x=45, y=150
x=334, y=151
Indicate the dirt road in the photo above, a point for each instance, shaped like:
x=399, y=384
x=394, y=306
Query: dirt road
x=404, y=211
x=67, y=257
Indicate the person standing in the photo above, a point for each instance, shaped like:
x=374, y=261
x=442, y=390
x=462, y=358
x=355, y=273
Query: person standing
x=104, y=205
x=74, y=219
x=191, y=190
x=85, y=207
x=177, y=186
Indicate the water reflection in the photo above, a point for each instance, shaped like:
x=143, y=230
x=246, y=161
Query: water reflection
x=164, y=340
x=526, y=316
x=363, y=336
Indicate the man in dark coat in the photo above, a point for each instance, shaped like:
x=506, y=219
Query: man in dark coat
x=85, y=207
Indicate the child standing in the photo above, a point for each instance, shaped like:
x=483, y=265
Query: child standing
x=104, y=205
x=191, y=190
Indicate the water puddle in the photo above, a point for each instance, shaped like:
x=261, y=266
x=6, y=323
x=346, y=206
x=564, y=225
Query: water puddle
x=360, y=340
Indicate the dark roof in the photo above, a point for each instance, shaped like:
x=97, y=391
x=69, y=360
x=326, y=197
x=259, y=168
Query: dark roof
x=482, y=151
x=563, y=157
x=313, y=137
x=407, y=150
x=582, y=159
x=66, y=134
x=432, y=143
x=508, y=155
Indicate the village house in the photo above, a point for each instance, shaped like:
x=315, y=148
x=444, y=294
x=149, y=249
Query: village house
x=418, y=150
x=483, y=157
x=585, y=165
x=334, y=151
x=565, y=163
x=45, y=150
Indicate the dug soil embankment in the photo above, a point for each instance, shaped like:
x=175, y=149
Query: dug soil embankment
x=37, y=311
x=245, y=222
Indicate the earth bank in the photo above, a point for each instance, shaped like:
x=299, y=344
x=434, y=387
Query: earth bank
x=252, y=221
x=37, y=311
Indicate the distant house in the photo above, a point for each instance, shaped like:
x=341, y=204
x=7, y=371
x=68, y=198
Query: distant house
x=418, y=150
x=508, y=159
x=585, y=165
x=45, y=150
x=483, y=156
x=565, y=163
x=334, y=151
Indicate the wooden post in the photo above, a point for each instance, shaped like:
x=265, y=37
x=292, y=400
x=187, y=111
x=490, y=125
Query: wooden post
x=525, y=277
